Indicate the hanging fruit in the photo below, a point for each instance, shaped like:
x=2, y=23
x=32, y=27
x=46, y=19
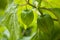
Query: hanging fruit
x=27, y=16
x=45, y=22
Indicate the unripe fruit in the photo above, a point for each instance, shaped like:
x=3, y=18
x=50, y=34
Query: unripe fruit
x=45, y=23
x=27, y=16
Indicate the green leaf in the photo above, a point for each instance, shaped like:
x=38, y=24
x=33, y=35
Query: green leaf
x=20, y=2
x=40, y=36
x=2, y=28
x=56, y=12
x=11, y=22
x=3, y=4
x=55, y=3
x=39, y=2
x=34, y=37
x=50, y=3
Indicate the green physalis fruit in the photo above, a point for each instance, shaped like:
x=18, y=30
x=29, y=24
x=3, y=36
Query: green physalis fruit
x=55, y=34
x=45, y=22
x=27, y=16
x=3, y=4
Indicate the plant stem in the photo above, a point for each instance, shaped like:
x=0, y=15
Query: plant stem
x=55, y=19
x=36, y=8
x=31, y=5
x=41, y=11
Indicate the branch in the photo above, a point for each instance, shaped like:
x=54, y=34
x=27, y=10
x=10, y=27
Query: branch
x=55, y=19
x=31, y=5
x=44, y=9
x=36, y=8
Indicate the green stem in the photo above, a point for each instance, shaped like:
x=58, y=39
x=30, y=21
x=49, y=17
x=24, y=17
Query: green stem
x=31, y=5
x=41, y=11
x=55, y=19
x=37, y=8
